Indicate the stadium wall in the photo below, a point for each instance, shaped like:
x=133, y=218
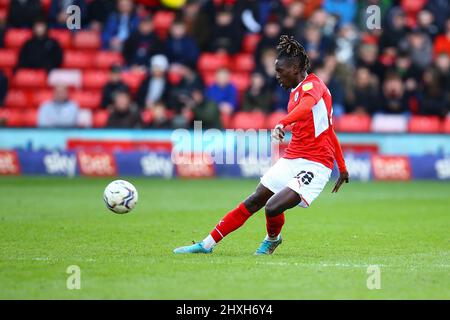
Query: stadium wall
x=149, y=153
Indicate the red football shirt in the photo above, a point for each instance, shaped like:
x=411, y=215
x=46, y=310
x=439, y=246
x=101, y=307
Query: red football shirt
x=311, y=138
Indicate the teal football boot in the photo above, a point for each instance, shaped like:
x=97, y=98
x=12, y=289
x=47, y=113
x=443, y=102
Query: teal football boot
x=268, y=247
x=194, y=248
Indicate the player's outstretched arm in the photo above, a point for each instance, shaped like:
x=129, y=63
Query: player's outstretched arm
x=343, y=173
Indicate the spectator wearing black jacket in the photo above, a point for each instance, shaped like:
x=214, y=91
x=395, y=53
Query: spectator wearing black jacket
x=114, y=85
x=124, y=114
x=3, y=87
x=40, y=52
x=226, y=36
x=141, y=45
x=23, y=13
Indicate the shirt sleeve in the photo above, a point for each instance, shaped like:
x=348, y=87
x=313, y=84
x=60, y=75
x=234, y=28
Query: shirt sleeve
x=304, y=107
x=314, y=89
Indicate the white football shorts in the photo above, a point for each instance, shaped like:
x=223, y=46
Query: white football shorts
x=307, y=178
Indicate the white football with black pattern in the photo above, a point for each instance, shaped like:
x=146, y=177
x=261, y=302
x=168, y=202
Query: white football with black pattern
x=120, y=196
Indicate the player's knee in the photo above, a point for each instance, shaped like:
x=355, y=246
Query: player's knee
x=254, y=202
x=272, y=209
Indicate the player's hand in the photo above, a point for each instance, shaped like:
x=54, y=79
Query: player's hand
x=278, y=133
x=343, y=177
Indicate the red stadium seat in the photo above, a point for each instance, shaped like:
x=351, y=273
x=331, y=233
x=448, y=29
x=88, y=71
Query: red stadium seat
x=241, y=80
x=95, y=79
x=162, y=20
x=22, y=118
x=353, y=123
x=147, y=116
x=274, y=118
x=30, y=78
x=8, y=58
x=248, y=120
x=250, y=42
x=77, y=59
x=41, y=96
x=424, y=124
x=64, y=37
x=30, y=118
x=15, y=38
x=133, y=79
x=106, y=59
x=209, y=62
x=17, y=99
x=87, y=40
x=100, y=118
x=446, y=125
x=88, y=99
x=243, y=62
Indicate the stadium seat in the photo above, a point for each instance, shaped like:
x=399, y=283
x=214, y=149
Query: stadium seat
x=106, y=59
x=424, y=124
x=241, y=80
x=22, y=118
x=30, y=78
x=100, y=118
x=147, y=116
x=210, y=62
x=30, y=118
x=162, y=20
x=389, y=123
x=40, y=96
x=248, y=120
x=274, y=118
x=353, y=123
x=446, y=125
x=88, y=99
x=250, y=42
x=94, y=79
x=133, y=79
x=17, y=99
x=77, y=59
x=243, y=62
x=87, y=40
x=64, y=37
x=8, y=58
x=15, y=38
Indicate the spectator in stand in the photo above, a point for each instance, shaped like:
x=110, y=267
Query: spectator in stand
x=113, y=85
x=3, y=27
x=57, y=14
x=426, y=23
x=409, y=73
x=440, y=10
x=314, y=43
x=225, y=36
x=141, y=45
x=205, y=110
x=393, y=97
x=336, y=89
x=257, y=97
x=181, y=48
x=60, y=112
x=434, y=100
x=155, y=87
x=395, y=29
x=180, y=93
x=223, y=92
x=442, y=41
x=120, y=25
x=23, y=13
x=442, y=64
x=3, y=87
x=368, y=57
x=124, y=113
x=363, y=96
x=270, y=37
x=420, y=48
x=41, y=51
x=160, y=118
x=98, y=12
x=293, y=22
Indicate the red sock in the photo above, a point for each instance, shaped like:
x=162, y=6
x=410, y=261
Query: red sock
x=274, y=225
x=233, y=220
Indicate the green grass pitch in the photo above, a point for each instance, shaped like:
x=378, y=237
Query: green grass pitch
x=48, y=224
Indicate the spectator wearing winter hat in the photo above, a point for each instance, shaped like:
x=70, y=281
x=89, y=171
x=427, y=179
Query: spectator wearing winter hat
x=155, y=86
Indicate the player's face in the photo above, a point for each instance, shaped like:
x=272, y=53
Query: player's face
x=286, y=74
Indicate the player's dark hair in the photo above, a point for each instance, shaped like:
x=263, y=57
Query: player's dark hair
x=290, y=48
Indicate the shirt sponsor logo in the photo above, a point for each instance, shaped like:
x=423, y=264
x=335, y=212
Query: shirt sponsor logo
x=307, y=86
